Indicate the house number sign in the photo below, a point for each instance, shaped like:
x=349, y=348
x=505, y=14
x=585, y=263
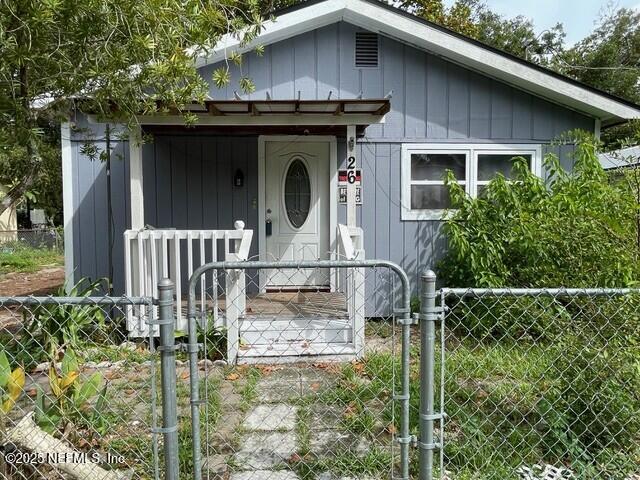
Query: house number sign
x=352, y=177
x=346, y=177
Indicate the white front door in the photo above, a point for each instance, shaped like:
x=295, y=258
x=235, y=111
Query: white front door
x=297, y=205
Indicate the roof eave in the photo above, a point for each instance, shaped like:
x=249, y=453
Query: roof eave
x=409, y=29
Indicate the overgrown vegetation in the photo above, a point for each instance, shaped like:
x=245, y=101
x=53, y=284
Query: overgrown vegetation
x=573, y=400
x=566, y=229
x=52, y=326
x=74, y=398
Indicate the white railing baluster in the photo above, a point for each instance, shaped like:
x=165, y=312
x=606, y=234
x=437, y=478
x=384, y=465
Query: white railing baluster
x=154, y=275
x=180, y=323
x=142, y=331
x=164, y=255
x=128, y=273
x=217, y=318
x=154, y=254
x=203, y=279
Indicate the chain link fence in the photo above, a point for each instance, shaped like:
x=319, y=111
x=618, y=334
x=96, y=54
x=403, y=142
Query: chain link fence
x=77, y=399
x=540, y=384
x=278, y=380
x=295, y=384
x=42, y=239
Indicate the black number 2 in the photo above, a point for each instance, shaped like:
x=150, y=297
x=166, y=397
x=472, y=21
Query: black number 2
x=351, y=163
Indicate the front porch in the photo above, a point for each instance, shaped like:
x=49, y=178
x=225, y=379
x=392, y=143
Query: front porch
x=261, y=324
x=248, y=159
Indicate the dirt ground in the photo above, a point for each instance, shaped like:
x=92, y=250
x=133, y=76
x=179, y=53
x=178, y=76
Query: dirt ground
x=43, y=282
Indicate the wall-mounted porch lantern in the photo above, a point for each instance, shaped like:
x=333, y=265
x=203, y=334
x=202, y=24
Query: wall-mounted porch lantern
x=238, y=179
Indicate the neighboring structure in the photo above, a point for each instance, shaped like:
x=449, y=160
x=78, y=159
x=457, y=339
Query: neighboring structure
x=405, y=98
x=624, y=158
x=8, y=222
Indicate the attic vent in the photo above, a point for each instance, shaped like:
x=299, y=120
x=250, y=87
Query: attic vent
x=366, y=50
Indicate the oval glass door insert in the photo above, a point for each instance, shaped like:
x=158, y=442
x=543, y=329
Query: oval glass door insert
x=297, y=193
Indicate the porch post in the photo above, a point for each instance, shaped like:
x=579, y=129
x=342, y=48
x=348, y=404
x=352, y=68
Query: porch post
x=351, y=175
x=135, y=178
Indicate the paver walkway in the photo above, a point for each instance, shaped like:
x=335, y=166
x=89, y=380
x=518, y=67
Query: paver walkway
x=282, y=426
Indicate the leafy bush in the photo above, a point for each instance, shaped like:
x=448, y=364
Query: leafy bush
x=572, y=229
x=214, y=339
x=73, y=398
x=48, y=326
x=61, y=324
x=11, y=384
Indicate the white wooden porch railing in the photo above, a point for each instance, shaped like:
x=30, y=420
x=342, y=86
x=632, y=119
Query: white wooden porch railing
x=151, y=255
x=352, y=281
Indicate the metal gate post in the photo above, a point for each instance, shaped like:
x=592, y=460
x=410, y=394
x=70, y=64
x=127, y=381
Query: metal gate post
x=428, y=317
x=406, y=440
x=167, y=350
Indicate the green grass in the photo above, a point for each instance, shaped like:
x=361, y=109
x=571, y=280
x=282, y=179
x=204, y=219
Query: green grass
x=248, y=387
x=18, y=258
x=497, y=398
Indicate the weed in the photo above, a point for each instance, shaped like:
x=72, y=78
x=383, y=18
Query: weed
x=248, y=390
x=73, y=398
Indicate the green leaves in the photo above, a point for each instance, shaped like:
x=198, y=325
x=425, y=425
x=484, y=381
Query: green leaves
x=88, y=389
x=72, y=394
x=11, y=384
x=123, y=57
x=5, y=369
x=221, y=77
x=573, y=229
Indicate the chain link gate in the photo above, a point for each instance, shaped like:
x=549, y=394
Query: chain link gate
x=268, y=400
x=541, y=384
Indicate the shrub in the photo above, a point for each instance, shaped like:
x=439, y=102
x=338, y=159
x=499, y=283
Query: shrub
x=572, y=229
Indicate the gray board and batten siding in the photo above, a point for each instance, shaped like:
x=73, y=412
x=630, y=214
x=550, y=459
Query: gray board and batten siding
x=188, y=175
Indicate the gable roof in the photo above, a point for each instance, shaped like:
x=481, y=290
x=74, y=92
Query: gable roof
x=379, y=17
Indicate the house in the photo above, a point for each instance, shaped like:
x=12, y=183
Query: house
x=8, y=222
x=403, y=99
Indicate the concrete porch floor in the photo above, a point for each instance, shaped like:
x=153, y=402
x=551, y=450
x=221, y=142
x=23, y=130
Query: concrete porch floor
x=298, y=304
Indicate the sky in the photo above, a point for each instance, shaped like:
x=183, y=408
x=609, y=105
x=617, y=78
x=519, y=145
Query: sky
x=577, y=16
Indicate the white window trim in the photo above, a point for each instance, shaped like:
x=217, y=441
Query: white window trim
x=471, y=150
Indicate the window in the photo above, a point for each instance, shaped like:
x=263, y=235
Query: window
x=297, y=193
x=424, y=195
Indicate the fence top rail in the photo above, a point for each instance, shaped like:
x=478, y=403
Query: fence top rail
x=51, y=300
x=528, y=292
x=247, y=265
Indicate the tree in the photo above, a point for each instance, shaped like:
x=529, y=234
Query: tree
x=475, y=19
x=114, y=58
x=517, y=36
x=460, y=17
x=609, y=58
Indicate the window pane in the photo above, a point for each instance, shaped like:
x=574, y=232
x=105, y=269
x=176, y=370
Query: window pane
x=429, y=197
x=489, y=164
x=431, y=166
x=297, y=193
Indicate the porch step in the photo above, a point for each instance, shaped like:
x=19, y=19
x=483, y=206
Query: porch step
x=257, y=331
x=296, y=352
